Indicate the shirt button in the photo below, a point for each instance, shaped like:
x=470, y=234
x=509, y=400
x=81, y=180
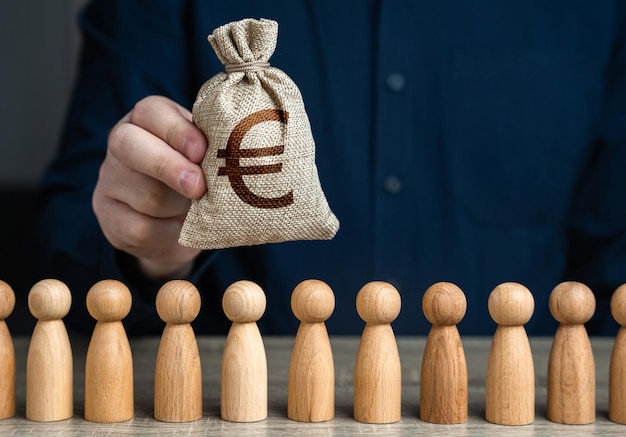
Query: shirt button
x=392, y=184
x=396, y=82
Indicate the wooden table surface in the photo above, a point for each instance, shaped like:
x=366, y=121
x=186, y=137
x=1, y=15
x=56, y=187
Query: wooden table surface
x=278, y=355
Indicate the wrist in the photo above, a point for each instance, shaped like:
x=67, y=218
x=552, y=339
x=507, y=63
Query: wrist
x=161, y=272
x=142, y=272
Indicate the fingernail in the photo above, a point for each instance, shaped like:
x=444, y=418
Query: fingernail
x=189, y=180
x=189, y=147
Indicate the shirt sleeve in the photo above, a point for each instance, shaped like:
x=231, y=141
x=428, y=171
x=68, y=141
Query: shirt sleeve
x=129, y=51
x=598, y=226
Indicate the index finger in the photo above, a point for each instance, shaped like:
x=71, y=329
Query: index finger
x=140, y=150
x=172, y=123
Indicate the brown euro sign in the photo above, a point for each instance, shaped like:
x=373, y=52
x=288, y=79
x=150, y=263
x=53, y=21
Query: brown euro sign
x=233, y=153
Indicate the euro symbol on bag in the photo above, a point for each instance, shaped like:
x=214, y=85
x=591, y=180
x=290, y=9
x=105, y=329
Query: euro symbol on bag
x=233, y=153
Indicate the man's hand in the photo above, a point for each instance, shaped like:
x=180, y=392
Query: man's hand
x=150, y=173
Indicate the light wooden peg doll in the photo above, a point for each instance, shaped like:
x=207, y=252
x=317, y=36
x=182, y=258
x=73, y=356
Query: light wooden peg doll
x=311, y=394
x=510, y=383
x=443, y=393
x=571, y=368
x=178, y=375
x=49, y=366
x=617, y=370
x=377, y=371
x=7, y=353
x=109, y=362
x=244, y=364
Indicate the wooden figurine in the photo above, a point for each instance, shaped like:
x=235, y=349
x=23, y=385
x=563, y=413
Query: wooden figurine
x=178, y=374
x=244, y=364
x=617, y=369
x=311, y=394
x=443, y=394
x=510, y=383
x=109, y=362
x=571, y=367
x=7, y=353
x=377, y=371
x=49, y=366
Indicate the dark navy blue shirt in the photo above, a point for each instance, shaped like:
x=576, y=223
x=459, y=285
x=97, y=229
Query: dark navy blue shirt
x=474, y=142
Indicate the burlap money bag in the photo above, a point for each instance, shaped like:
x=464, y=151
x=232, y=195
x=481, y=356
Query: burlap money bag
x=260, y=169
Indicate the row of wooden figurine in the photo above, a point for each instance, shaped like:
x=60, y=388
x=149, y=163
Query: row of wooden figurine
x=108, y=383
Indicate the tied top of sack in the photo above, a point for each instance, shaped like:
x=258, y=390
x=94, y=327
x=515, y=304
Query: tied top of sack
x=261, y=177
x=245, y=45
